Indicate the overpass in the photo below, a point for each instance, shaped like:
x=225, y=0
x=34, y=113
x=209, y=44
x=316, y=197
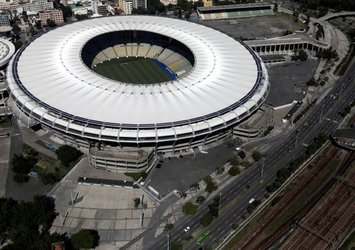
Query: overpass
x=335, y=15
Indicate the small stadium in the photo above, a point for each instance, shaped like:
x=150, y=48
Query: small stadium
x=136, y=82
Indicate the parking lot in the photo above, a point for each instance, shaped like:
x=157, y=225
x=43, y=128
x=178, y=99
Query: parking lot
x=256, y=27
x=180, y=173
x=288, y=81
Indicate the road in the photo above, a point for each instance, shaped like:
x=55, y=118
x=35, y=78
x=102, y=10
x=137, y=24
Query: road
x=323, y=118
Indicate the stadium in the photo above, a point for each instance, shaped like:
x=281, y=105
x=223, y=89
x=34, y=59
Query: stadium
x=127, y=89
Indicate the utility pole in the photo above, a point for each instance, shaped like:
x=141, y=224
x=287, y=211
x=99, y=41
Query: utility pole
x=168, y=237
x=142, y=213
x=219, y=203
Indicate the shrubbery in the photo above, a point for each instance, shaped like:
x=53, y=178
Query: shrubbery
x=284, y=173
x=233, y=171
x=67, y=154
x=210, y=184
x=256, y=155
x=189, y=208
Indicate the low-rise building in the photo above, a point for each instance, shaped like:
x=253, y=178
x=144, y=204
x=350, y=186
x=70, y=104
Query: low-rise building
x=36, y=6
x=167, y=2
x=55, y=15
x=4, y=5
x=5, y=18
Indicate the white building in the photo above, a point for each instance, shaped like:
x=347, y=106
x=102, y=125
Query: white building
x=5, y=18
x=128, y=7
x=167, y=2
x=139, y=3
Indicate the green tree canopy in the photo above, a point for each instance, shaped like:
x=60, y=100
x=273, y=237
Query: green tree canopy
x=256, y=155
x=67, y=154
x=85, y=238
x=189, y=208
x=234, y=170
x=20, y=165
x=26, y=224
x=206, y=219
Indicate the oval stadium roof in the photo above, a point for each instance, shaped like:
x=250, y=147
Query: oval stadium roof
x=226, y=82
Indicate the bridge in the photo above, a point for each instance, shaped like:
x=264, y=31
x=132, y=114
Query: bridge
x=335, y=15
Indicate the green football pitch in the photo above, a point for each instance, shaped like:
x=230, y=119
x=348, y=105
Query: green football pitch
x=136, y=70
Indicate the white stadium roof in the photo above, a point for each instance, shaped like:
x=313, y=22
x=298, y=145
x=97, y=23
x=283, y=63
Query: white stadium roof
x=50, y=79
x=7, y=49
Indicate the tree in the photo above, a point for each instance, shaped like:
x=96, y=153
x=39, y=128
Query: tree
x=16, y=29
x=81, y=17
x=276, y=7
x=184, y=4
x=256, y=155
x=210, y=184
x=137, y=201
x=299, y=55
x=200, y=199
x=242, y=155
x=51, y=23
x=220, y=170
x=168, y=226
x=234, y=160
x=32, y=31
x=20, y=165
x=67, y=12
x=21, y=178
x=214, y=207
x=189, y=208
x=302, y=55
x=38, y=24
x=206, y=219
x=18, y=44
x=195, y=186
x=85, y=238
x=67, y=154
x=187, y=15
x=176, y=245
x=26, y=224
x=234, y=170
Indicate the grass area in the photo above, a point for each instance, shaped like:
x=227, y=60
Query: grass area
x=137, y=70
x=303, y=198
x=136, y=175
x=49, y=169
x=349, y=243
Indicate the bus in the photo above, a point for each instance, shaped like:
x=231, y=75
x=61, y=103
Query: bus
x=203, y=236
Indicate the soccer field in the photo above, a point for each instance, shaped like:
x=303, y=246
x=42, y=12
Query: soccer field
x=133, y=70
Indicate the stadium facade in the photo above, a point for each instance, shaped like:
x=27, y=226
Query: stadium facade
x=219, y=82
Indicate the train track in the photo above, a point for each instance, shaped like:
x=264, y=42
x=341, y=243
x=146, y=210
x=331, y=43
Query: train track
x=332, y=218
x=248, y=242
